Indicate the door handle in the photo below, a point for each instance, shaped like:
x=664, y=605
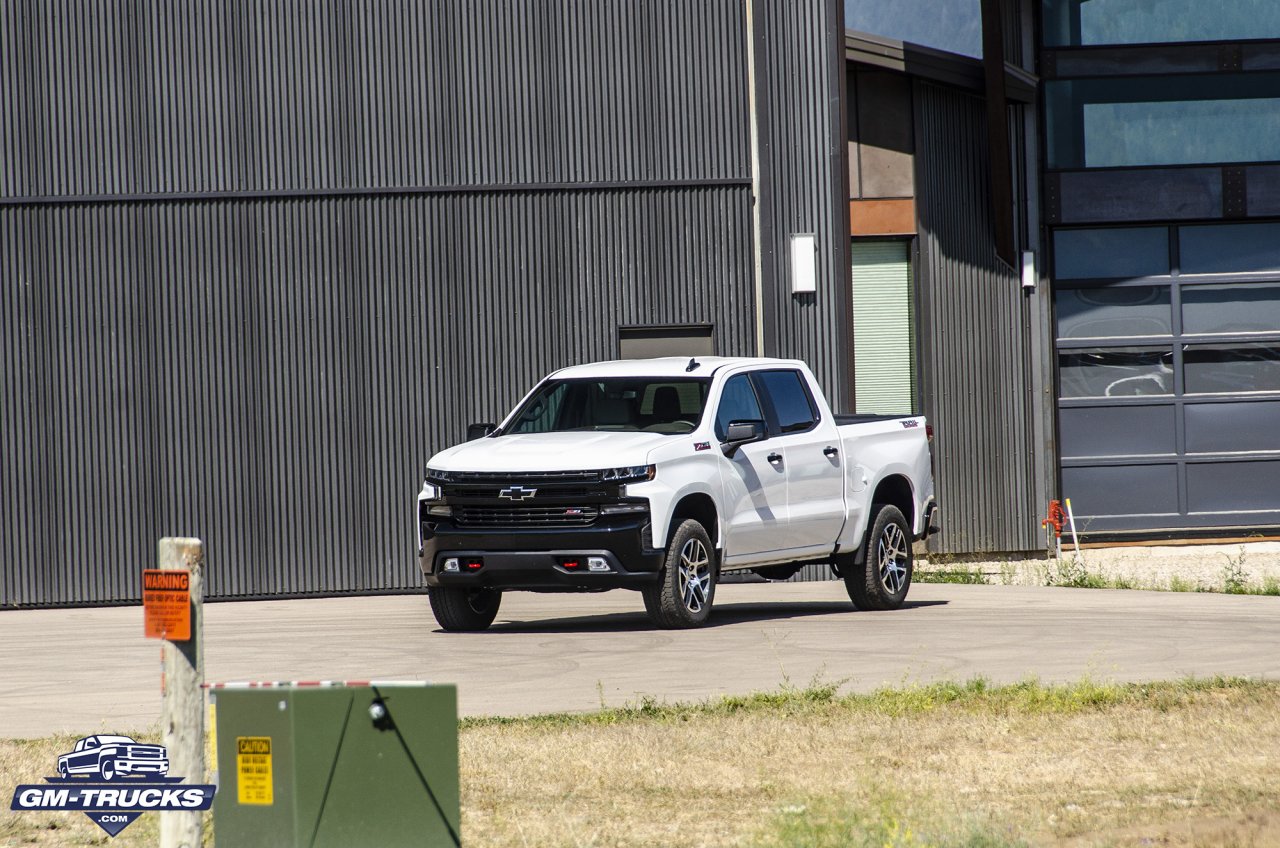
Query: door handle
x=775, y=457
x=830, y=451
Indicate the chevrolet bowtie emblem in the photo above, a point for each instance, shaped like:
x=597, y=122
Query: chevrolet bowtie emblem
x=517, y=493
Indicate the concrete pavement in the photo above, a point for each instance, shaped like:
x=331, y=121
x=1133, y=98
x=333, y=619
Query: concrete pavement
x=87, y=670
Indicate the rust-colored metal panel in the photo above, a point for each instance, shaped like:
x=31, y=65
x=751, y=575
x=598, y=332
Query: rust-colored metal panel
x=882, y=217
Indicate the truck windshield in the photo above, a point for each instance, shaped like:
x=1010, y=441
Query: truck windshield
x=632, y=404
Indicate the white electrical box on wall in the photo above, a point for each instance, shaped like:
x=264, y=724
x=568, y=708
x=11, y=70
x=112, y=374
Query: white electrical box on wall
x=804, y=263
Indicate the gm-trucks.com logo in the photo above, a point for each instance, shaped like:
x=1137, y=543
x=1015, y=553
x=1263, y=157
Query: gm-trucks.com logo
x=134, y=780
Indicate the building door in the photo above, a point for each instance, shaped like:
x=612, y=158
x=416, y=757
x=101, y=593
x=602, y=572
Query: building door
x=884, y=363
x=1168, y=343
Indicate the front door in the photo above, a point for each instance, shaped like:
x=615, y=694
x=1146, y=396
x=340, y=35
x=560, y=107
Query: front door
x=755, y=486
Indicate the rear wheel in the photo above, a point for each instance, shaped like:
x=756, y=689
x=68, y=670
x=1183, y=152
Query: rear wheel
x=882, y=581
x=687, y=584
x=461, y=609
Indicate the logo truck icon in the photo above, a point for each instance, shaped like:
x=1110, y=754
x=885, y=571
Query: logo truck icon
x=110, y=757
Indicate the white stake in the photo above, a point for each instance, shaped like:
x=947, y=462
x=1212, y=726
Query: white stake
x=1074, y=538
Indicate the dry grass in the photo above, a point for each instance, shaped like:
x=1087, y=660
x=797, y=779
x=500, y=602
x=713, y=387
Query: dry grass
x=1190, y=763
x=940, y=765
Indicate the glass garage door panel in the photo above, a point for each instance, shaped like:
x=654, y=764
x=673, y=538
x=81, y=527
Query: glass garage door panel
x=1232, y=487
x=1110, y=431
x=1233, y=427
x=1118, y=490
x=1218, y=310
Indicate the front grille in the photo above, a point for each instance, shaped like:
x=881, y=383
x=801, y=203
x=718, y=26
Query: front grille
x=525, y=516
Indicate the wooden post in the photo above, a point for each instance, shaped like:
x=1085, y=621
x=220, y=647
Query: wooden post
x=182, y=718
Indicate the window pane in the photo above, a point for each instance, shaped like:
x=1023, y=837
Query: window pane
x=1235, y=368
x=883, y=315
x=1118, y=254
x=1231, y=309
x=790, y=400
x=1113, y=312
x=1116, y=372
x=1229, y=248
x=1083, y=22
x=737, y=403
x=1126, y=122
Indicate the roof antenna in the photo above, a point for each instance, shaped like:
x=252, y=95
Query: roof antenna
x=693, y=363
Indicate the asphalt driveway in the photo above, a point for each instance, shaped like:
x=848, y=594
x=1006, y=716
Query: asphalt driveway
x=90, y=670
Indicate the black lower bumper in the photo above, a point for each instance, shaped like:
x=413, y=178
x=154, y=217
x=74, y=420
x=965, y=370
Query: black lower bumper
x=537, y=559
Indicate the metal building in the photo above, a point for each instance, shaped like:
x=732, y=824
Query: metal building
x=260, y=260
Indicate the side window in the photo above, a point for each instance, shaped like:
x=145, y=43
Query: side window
x=790, y=399
x=737, y=403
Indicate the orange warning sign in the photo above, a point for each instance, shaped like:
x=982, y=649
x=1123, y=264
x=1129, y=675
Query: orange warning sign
x=166, y=604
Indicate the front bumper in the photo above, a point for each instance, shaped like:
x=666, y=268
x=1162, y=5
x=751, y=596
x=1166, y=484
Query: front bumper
x=529, y=558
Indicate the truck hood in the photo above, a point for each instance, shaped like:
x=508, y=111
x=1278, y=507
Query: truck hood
x=549, y=452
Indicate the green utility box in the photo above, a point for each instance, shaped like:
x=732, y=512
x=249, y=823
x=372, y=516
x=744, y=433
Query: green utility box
x=336, y=765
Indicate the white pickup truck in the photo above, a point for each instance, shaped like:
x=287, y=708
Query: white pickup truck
x=661, y=474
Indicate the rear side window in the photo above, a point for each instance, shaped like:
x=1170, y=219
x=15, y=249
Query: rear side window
x=791, y=401
x=737, y=403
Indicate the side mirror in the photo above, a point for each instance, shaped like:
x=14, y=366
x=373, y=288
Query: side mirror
x=741, y=433
x=478, y=431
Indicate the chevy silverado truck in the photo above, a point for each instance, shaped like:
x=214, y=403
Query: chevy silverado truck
x=660, y=475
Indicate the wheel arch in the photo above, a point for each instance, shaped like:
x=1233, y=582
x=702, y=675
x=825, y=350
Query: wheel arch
x=895, y=489
x=701, y=508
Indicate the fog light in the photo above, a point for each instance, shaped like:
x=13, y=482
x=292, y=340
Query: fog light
x=451, y=564
x=571, y=564
x=475, y=564
x=597, y=564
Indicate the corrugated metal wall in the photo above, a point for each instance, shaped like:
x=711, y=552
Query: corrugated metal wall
x=260, y=259
x=975, y=326
x=157, y=96
x=801, y=70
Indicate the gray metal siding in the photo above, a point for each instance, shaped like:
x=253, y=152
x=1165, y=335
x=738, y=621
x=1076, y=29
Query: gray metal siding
x=976, y=363
x=272, y=375
x=803, y=147
x=147, y=97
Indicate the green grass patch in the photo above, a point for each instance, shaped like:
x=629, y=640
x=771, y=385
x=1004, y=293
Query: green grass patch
x=832, y=823
x=1030, y=697
x=959, y=575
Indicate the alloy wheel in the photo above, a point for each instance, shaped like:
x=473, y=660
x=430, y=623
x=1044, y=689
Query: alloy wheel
x=892, y=552
x=695, y=575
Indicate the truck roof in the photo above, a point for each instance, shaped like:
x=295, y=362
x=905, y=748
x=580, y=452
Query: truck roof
x=667, y=366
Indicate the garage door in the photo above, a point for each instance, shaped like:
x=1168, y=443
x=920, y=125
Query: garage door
x=1168, y=343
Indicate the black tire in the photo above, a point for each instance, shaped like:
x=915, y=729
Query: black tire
x=883, y=579
x=686, y=586
x=107, y=768
x=462, y=610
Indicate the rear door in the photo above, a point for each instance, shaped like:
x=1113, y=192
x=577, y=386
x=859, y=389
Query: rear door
x=755, y=487
x=811, y=453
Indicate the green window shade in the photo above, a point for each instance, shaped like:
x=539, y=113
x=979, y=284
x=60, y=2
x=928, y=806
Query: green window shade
x=883, y=321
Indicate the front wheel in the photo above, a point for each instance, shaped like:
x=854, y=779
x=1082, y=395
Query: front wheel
x=461, y=610
x=687, y=583
x=882, y=580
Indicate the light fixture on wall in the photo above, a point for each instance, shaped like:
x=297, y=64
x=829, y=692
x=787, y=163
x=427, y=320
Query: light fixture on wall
x=1028, y=270
x=804, y=263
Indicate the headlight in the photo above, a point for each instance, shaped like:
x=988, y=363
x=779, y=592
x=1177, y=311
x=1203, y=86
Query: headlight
x=436, y=476
x=629, y=474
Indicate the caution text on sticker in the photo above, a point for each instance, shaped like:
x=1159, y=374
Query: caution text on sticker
x=253, y=770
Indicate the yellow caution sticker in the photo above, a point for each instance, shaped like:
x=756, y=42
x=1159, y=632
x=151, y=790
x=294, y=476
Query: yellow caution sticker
x=253, y=770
